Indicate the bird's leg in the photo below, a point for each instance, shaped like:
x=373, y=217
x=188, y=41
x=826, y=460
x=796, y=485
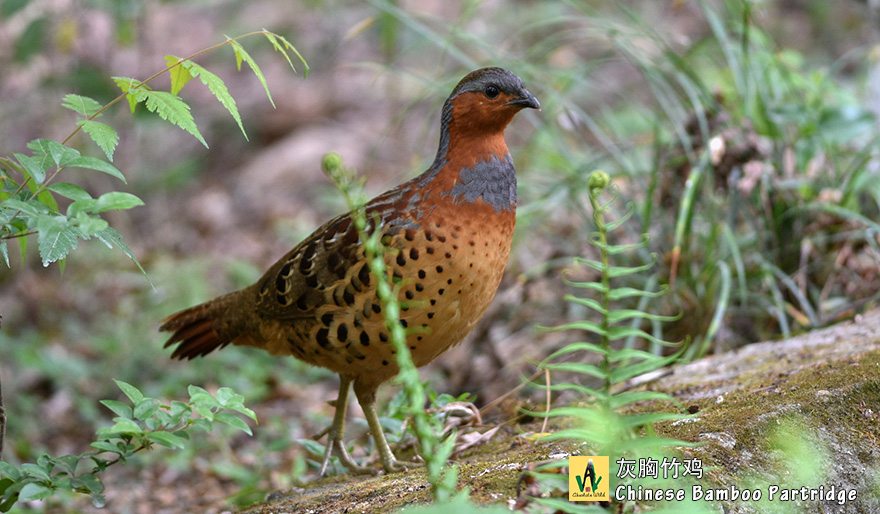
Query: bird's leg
x=391, y=464
x=335, y=442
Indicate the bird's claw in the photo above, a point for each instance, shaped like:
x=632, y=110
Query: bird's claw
x=396, y=466
x=336, y=447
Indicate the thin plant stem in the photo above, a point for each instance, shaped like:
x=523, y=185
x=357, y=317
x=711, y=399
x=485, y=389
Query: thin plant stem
x=2, y=422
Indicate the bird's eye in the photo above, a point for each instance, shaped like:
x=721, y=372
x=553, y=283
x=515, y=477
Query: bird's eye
x=492, y=91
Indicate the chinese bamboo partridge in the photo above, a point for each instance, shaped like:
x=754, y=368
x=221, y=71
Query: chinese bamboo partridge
x=448, y=232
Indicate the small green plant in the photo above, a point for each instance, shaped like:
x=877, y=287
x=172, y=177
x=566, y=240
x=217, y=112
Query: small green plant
x=139, y=425
x=610, y=422
x=434, y=449
x=396, y=415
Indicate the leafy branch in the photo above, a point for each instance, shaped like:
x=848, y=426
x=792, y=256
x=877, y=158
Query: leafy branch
x=29, y=193
x=139, y=425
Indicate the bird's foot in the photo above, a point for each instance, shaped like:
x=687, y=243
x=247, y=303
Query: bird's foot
x=392, y=465
x=336, y=447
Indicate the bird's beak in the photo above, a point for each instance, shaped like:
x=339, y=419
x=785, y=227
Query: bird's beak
x=526, y=99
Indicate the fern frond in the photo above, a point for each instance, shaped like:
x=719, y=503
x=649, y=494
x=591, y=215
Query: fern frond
x=576, y=347
x=615, y=271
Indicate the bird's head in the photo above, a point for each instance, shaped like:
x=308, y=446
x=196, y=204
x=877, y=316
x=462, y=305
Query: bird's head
x=486, y=100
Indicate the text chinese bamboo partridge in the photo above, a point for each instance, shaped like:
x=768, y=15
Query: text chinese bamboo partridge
x=448, y=231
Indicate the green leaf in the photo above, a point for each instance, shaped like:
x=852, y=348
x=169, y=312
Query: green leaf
x=35, y=471
x=32, y=166
x=247, y=412
x=34, y=491
x=233, y=420
x=93, y=163
x=202, y=423
x=122, y=410
x=72, y=191
x=132, y=392
x=32, y=207
x=45, y=197
x=619, y=315
x=283, y=47
x=577, y=347
x=226, y=395
x=166, y=439
x=8, y=493
x=146, y=408
x=92, y=483
x=4, y=251
x=217, y=88
x=23, y=246
x=179, y=411
x=577, y=325
x=107, y=447
x=615, y=271
x=80, y=206
x=125, y=426
x=180, y=75
x=171, y=108
x=576, y=367
x=626, y=354
x=616, y=333
x=116, y=201
x=68, y=463
x=242, y=55
x=312, y=446
x=201, y=395
x=9, y=471
x=57, y=237
x=81, y=104
x=52, y=152
x=640, y=368
x=111, y=238
x=130, y=87
x=89, y=225
x=102, y=134
x=620, y=399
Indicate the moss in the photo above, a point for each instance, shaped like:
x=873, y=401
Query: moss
x=828, y=380
x=490, y=471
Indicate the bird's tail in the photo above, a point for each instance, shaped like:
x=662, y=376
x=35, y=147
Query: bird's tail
x=204, y=328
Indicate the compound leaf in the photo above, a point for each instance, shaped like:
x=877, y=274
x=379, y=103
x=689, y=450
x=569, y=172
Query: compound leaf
x=81, y=105
x=102, y=134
